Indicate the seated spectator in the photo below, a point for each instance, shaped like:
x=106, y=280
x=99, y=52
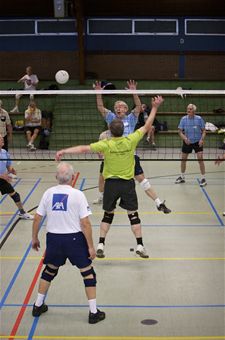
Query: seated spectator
x=30, y=82
x=32, y=126
x=145, y=111
x=5, y=126
x=5, y=186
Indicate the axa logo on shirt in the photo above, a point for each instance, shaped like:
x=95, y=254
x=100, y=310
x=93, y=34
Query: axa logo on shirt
x=59, y=202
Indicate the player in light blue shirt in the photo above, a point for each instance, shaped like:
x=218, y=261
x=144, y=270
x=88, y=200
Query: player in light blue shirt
x=5, y=179
x=191, y=130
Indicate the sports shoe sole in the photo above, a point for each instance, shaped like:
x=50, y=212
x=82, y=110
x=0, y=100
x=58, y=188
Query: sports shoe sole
x=100, y=254
x=144, y=256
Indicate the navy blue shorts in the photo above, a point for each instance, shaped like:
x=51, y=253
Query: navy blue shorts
x=137, y=168
x=60, y=247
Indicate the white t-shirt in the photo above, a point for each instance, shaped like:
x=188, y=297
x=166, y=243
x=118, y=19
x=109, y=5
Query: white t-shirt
x=64, y=207
x=36, y=114
x=29, y=80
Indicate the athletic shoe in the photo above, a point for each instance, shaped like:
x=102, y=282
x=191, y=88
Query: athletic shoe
x=96, y=317
x=37, y=311
x=98, y=200
x=148, y=139
x=100, y=251
x=224, y=213
x=141, y=251
x=15, y=110
x=180, y=180
x=32, y=147
x=203, y=182
x=29, y=145
x=162, y=207
x=26, y=216
x=153, y=146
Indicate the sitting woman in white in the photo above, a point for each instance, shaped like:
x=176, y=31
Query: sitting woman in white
x=32, y=124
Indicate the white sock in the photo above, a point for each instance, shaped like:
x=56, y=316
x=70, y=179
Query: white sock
x=100, y=194
x=92, y=306
x=182, y=175
x=158, y=202
x=40, y=300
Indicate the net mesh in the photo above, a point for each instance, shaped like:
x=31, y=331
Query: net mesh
x=71, y=118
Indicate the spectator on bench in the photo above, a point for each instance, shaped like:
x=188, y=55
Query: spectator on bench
x=32, y=126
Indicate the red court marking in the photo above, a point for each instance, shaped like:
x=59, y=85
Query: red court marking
x=75, y=179
x=26, y=300
x=32, y=285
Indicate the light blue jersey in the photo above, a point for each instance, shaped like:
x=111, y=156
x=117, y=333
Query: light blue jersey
x=192, y=127
x=4, y=161
x=129, y=121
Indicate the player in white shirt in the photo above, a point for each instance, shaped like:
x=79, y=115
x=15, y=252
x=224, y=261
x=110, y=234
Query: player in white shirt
x=30, y=82
x=69, y=235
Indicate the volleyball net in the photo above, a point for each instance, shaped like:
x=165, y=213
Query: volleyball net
x=71, y=118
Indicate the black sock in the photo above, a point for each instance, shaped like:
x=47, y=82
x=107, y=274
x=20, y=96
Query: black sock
x=102, y=240
x=22, y=211
x=139, y=240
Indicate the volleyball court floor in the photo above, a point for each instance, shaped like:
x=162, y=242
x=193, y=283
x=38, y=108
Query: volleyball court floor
x=178, y=293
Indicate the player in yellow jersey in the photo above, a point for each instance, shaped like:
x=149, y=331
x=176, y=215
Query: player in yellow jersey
x=118, y=173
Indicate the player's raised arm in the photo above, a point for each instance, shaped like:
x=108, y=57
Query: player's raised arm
x=99, y=100
x=73, y=150
x=132, y=85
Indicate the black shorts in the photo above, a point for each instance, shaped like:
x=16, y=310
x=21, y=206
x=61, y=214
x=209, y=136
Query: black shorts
x=61, y=247
x=123, y=189
x=5, y=187
x=189, y=148
x=32, y=128
x=137, y=168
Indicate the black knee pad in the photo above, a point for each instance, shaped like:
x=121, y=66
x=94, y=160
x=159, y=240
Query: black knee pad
x=108, y=217
x=134, y=218
x=89, y=282
x=16, y=197
x=49, y=273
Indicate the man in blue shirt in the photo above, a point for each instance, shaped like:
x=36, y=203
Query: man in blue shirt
x=192, y=131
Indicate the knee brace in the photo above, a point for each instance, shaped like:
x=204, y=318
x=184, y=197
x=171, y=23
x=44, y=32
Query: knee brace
x=89, y=282
x=16, y=197
x=49, y=273
x=145, y=184
x=134, y=218
x=108, y=217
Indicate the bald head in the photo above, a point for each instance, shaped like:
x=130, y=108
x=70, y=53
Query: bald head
x=64, y=173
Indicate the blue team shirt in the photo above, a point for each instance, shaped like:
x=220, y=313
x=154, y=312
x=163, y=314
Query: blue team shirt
x=4, y=161
x=192, y=127
x=129, y=121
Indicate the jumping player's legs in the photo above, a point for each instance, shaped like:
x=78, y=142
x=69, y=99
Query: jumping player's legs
x=146, y=186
